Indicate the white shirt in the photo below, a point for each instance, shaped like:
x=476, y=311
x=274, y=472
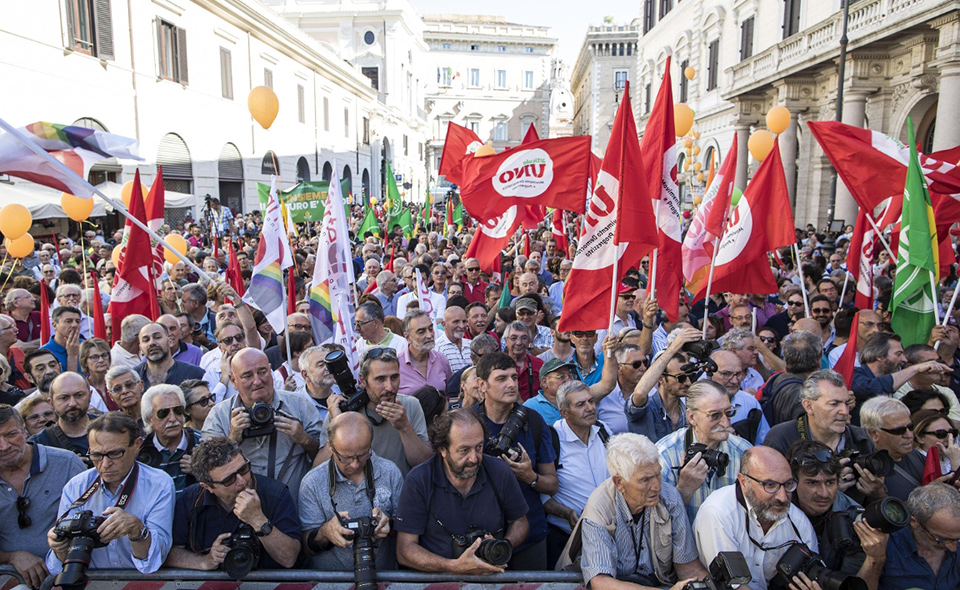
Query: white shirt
x=438, y=300
x=752, y=380
x=583, y=467
x=834, y=357
x=720, y=527
x=458, y=357
x=398, y=343
x=119, y=357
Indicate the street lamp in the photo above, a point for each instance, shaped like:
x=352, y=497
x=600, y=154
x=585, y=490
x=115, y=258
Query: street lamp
x=841, y=72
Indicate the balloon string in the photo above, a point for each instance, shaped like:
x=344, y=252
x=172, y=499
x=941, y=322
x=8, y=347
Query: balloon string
x=9, y=274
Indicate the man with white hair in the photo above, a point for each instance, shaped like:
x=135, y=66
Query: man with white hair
x=126, y=350
x=887, y=421
x=371, y=268
x=451, y=342
x=387, y=292
x=742, y=342
x=710, y=436
x=556, y=288
x=473, y=287
x=168, y=444
x=623, y=514
x=70, y=295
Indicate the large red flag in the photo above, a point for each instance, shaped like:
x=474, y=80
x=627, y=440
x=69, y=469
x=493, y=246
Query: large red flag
x=44, y=313
x=459, y=142
x=99, y=322
x=761, y=222
x=154, y=204
x=131, y=291
x=586, y=303
x=491, y=238
x=860, y=254
x=707, y=225
x=549, y=172
x=847, y=361
x=658, y=156
x=531, y=215
x=233, y=275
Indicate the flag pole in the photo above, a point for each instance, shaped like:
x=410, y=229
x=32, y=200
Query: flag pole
x=613, y=286
x=843, y=292
x=953, y=301
x=713, y=264
x=803, y=287
x=883, y=240
x=936, y=314
x=653, y=261
x=118, y=206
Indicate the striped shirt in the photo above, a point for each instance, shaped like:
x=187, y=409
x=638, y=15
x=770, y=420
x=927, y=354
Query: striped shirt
x=459, y=358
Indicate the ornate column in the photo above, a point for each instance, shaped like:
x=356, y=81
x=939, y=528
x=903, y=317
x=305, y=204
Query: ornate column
x=854, y=108
x=947, y=63
x=743, y=154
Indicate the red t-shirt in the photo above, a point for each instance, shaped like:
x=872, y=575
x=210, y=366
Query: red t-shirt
x=30, y=329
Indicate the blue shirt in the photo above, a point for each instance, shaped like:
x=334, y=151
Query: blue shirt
x=590, y=375
x=542, y=405
x=865, y=385
x=905, y=568
x=151, y=501
x=744, y=402
x=652, y=420
x=428, y=495
x=54, y=348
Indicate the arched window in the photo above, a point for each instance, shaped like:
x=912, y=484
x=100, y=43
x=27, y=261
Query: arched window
x=174, y=156
x=270, y=164
x=303, y=170
x=230, y=169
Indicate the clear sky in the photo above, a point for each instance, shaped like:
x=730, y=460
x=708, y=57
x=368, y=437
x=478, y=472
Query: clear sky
x=568, y=19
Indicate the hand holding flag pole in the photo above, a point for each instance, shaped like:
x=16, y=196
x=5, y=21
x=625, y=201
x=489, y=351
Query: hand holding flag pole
x=118, y=206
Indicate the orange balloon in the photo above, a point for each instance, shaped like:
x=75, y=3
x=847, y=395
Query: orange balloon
x=76, y=208
x=690, y=72
x=178, y=243
x=697, y=167
x=688, y=142
x=697, y=200
x=699, y=176
x=778, y=119
x=686, y=164
x=126, y=193
x=485, y=150
x=15, y=220
x=696, y=150
x=263, y=105
x=760, y=144
x=682, y=119
x=115, y=256
x=20, y=247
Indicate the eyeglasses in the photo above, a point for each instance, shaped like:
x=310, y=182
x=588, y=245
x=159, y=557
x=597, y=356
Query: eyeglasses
x=772, y=487
x=821, y=311
x=715, y=416
x=741, y=318
x=23, y=521
x=300, y=326
x=935, y=538
x=204, y=401
x=638, y=364
x=69, y=296
x=361, y=458
x=473, y=269
x=941, y=434
x=119, y=387
x=820, y=457
x=228, y=340
x=525, y=312
x=99, y=357
x=162, y=413
x=680, y=377
x=898, y=431
x=516, y=338
x=112, y=455
x=628, y=297
x=590, y=334
x=357, y=324
x=727, y=375
x=767, y=339
x=232, y=478
x=46, y=416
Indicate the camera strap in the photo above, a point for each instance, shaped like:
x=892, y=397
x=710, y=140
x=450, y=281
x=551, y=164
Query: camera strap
x=125, y=493
x=746, y=524
x=496, y=494
x=368, y=480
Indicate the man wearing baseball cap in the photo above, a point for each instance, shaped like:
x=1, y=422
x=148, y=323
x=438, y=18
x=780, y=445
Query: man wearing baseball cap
x=553, y=374
x=530, y=312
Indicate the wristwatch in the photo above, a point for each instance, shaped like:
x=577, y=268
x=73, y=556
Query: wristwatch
x=144, y=533
x=265, y=530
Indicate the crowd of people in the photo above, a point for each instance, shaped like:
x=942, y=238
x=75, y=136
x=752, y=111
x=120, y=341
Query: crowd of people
x=635, y=454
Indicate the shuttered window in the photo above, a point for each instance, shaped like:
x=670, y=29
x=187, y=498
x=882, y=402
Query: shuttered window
x=268, y=78
x=746, y=38
x=89, y=27
x=713, y=72
x=172, y=41
x=174, y=156
x=326, y=114
x=226, y=73
x=684, y=83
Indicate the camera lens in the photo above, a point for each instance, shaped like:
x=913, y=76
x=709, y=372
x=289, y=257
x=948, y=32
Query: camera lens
x=261, y=413
x=495, y=551
x=888, y=515
x=238, y=563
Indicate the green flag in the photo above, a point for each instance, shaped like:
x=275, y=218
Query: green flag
x=458, y=216
x=394, y=204
x=406, y=223
x=914, y=302
x=505, y=296
x=369, y=223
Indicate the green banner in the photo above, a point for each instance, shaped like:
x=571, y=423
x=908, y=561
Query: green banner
x=306, y=201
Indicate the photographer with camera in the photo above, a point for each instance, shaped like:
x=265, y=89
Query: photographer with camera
x=847, y=544
x=520, y=437
x=633, y=528
x=656, y=408
x=117, y=515
x=168, y=443
x=705, y=456
x=399, y=428
x=887, y=421
x=461, y=511
x=354, y=493
x=278, y=431
x=233, y=515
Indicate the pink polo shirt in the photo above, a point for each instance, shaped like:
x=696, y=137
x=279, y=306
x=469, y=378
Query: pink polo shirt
x=438, y=371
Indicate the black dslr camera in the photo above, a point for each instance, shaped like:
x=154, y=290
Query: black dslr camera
x=364, y=551
x=727, y=570
x=878, y=463
x=888, y=515
x=261, y=421
x=505, y=443
x=799, y=558
x=149, y=455
x=700, y=361
x=244, y=553
x=81, y=529
x=716, y=460
x=338, y=366
x=492, y=551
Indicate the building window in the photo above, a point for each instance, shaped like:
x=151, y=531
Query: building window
x=172, y=52
x=301, y=104
x=665, y=7
x=268, y=78
x=620, y=79
x=346, y=122
x=713, y=71
x=746, y=38
x=406, y=146
x=501, y=78
x=326, y=114
x=475, y=77
x=474, y=126
x=500, y=131
x=684, y=83
x=528, y=80
x=90, y=27
x=444, y=46
x=648, y=15
x=791, y=18
x=369, y=37
x=501, y=48
x=374, y=74
x=443, y=76
x=528, y=49
x=647, y=98
x=226, y=73
x=474, y=47
x=366, y=130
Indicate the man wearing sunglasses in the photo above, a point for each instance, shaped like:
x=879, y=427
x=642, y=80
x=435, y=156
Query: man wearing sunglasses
x=31, y=479
x=164, y=407
x=631, y=364
x=887, y=421
x=159, y=366
x=228, y=496
x=137, y=501
x=473, y=287
x=755, y=516
x=917, y=354
x=709, y=413
x=794, y=311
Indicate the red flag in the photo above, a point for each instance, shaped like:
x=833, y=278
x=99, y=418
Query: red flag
x=233, y=275
x=559, y=232
x=459, y=142
x=56, y=247
x=658, y=155
x=549, y=172
x=154, y=311
x=389, y=264
x=131, y=291
x=154, y=204
x=531, y=135
x=292, y=289
x=848, y=359
x=44, y=313
x=526, y=244
x=99, y=322
x=491, y=238
x=860, y=256
x=531, y=215
x=931, y=467
x=761, y=222
x=586, y=293
x=707, y=225
x=216, y=247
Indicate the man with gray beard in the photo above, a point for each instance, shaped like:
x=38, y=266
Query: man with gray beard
x=70, y=398
x=420, y=364
x=451, y=342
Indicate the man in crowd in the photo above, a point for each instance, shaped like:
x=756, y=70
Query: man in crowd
x=296, y=323
x=803, y=353
x=399, y=429
x=589, y=363
x=368, y=324
x=887, y=421
x=180, y=350
x=562, y=348
x=917, y=354
x=22, y=307
x=473, y=287
x=709, y=413
x=160, y=366
x=195, y=304
x=168, y=444
x=70, y=398
x=743, y=343
x=231, y=339
x=794, y=311
x=748, y=419
x=516, y=340
x=317, y=380
x=420, y=363
x=530, y=313
x=65, y=339
x=353, y=467
x=451, y=342
x=126, y=389
x=476, y=319
x=556, y=288
x=41, y=368
x=137, y=500
x=868, y=324
x=126, y=350
x=32, y=476
x=284, y=450
x=631, y=365
x=822, y=310
x=458, y=489
x=228, y=496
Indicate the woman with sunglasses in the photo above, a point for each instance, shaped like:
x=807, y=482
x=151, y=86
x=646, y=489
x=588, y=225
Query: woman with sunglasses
x=94, y=359
x=770, y=339
x=199, y=400
x=931, y=428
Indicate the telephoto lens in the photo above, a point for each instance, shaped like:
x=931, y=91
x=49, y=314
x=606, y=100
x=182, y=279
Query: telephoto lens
x=888, y=515
x=244, y=553
x=81, y=529
x=799, y=558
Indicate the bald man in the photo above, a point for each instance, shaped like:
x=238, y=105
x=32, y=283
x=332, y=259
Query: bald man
x=180, y=350
x=296, y=322
x=282, y=448
x=748, y=421
x=451, y=343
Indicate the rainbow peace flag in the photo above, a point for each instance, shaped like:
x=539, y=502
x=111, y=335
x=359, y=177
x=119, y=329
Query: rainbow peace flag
x=273, y=257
